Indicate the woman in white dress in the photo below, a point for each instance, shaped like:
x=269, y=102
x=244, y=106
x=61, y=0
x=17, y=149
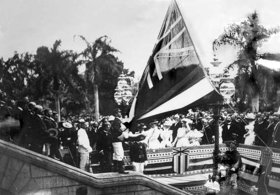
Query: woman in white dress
x=194, y=137
x=166, y=135
x=250, y=135
x=182, y=140
x=154, y=133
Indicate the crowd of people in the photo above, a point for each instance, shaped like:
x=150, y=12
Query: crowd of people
x=198, y=128
x=36, y=128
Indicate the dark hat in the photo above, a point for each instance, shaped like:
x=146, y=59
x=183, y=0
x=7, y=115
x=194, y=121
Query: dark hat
x=94, y=123
x=53, y=131
x=116, y=124
x=231, y=143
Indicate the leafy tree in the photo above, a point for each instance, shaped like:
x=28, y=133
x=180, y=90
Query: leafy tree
x=101, y=74
x=247, y=37
x=59, y=76
x=17, y=74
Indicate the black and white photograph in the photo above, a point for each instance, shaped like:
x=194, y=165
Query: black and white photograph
x=139, y=97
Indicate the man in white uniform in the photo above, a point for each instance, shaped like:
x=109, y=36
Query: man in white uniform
x=84, y=148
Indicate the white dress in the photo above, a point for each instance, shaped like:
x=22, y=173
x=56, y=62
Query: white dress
x=195, y=136
x=250, y=135
x=182, y=138
x=153, y=142
x=166, y=136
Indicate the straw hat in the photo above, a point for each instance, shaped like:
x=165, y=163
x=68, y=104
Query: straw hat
x=111, y=118
x=67, y=125
x=167, y=123
x=250, y=116
x=81, y=120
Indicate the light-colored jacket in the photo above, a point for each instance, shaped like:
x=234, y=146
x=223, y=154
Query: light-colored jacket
x=83, y=142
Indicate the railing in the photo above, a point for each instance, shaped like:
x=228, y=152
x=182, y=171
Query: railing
x=26, y=172
x=199, y=160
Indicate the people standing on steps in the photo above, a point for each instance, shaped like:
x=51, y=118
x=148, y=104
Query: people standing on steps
x=84, y=148
x=138, y=153
x=104, y=147
x=118, y=135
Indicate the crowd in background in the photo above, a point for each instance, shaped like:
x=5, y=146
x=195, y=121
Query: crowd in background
x=198, y=128
x=37, y=128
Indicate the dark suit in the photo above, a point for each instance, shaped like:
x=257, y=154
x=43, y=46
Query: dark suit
x=261, y=134
x=229, y=129
x=269, y=132
x=276, y=136
x=104, y=143
x=238, y=130
x=174, y=127
x=208, y=133
x=138, y=152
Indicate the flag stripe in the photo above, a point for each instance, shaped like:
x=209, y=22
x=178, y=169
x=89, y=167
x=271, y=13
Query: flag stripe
x=197, y=91
x=205, y=162
x=250, y=162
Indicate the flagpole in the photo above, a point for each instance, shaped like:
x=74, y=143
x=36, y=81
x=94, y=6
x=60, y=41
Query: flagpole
x=216, y=151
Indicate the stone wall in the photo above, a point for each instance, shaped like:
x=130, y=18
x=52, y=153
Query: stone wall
x=25, y=172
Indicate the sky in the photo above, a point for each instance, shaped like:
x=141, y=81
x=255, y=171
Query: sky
x=132, y=25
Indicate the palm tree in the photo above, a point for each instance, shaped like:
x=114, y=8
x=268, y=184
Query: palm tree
x=247, y=37
x=59, y=74
x=102, y=66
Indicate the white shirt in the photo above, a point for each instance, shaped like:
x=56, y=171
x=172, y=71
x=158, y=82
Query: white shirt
x=83, y=142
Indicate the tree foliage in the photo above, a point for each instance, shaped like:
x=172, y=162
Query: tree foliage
x=53, y=72
x=102, y=69
x=17, y=74
x=59, y=75
x=247, y=37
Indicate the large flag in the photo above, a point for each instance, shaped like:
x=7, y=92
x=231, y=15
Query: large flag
x=174, y=78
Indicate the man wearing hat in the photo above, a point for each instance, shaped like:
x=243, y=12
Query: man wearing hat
x=83, y=146
x=104, y=147
x=138, y=153
x=48, y=120
x=68, y=138
x=34, y=131
x=118, y=136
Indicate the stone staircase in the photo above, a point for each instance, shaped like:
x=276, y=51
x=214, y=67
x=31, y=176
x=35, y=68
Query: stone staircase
x=25, y=172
